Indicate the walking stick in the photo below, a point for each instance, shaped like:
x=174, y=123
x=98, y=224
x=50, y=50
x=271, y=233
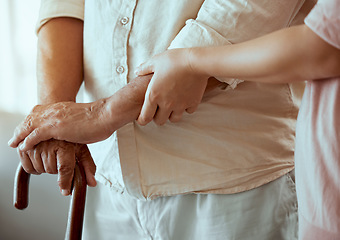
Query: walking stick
x=77, y=204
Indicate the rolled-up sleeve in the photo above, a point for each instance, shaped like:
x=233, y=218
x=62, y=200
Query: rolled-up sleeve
x=59, y=8
x=221, y=22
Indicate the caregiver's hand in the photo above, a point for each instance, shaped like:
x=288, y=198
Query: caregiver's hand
x=174, y=88
x=59, y=157
x=69, y=121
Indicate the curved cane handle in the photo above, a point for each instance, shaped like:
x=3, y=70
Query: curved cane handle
x=77, y=206
x=21, y=183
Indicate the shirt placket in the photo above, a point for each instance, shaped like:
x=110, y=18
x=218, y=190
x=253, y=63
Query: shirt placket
x=120, y=39
x=120, y=68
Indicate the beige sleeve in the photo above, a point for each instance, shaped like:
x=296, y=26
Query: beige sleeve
x=59, y=8
x=221, y=22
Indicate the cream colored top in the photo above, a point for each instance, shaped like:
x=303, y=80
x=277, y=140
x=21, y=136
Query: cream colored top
x=240, y=137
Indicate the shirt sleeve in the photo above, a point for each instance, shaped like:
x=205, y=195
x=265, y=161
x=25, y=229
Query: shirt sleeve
x=324, y=20
x=59, y=8
x=221, y=22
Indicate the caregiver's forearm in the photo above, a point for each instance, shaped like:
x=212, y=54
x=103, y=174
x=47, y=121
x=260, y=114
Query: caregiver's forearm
x=292, y=54
x=60, y=60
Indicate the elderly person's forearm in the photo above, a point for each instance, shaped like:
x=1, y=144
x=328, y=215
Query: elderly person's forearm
x=84, y=122
x=59, y=76
x=60, y=60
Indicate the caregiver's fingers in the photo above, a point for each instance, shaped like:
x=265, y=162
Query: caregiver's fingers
x=162, y=115
x=145, y=68
x=148, y=111
x=176, y=116
x=191, y=110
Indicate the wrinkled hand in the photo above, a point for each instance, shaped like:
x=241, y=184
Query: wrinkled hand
x=69, y=121
x=59, y=157
x=173, y=89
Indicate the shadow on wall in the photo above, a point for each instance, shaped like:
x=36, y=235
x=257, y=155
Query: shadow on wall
x=46, y=215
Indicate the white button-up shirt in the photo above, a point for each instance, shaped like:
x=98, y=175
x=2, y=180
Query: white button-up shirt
x=238, y=139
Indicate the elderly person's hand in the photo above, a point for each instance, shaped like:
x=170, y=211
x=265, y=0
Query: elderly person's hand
x=69, y=121
x=81, y=122
x=59, y=157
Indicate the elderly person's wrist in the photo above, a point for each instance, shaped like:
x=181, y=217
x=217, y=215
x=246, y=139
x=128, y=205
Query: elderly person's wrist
x=124, y=106
x=105, y=114
x=100, y=117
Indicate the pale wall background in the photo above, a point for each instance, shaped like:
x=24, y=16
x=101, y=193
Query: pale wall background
x=46, y=216
x=18, y=54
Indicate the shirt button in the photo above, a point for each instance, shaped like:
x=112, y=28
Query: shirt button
x=124, y=20
x=120, y=69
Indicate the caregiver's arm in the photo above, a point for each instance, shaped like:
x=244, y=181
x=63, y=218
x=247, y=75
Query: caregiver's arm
x=292, y=54
x=215, y=25
x=59, y=76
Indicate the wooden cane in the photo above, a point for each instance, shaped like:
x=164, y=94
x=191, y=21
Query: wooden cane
x=77, y=204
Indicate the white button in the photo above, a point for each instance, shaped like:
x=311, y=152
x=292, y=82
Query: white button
x=124, y=20
x=120, y=69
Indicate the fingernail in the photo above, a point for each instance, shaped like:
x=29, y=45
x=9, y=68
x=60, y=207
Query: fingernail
x=94, y=181
x=65, y=192
x=22, y=146
x=10, y=142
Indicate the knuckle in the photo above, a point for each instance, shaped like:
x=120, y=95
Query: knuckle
x=57, y=123
x=181, y=107
x=190, y=110
x=39, y=170
x=62, y=184
x=28, y=122
x=159, y=122
x=64, y=150
x=143, y=120
x=36, y=132
x=35, y=108
x=80, y=149
x=154, y=96
x=147, y=119
x=50, y=170
x=169, y=105
x=175, y=119
x=29, y=169
x=65, y=169
x=44, y=156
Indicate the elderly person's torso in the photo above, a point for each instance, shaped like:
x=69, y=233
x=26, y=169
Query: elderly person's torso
x=239, y=138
